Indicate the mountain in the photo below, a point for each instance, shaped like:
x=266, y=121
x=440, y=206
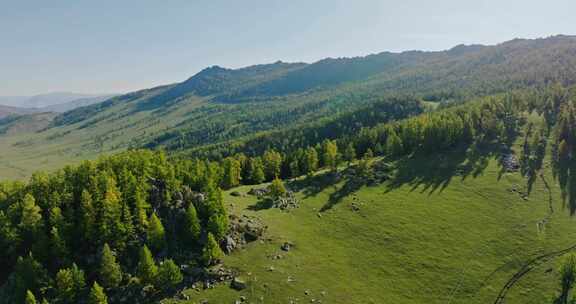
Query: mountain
x=218, y=107
x=75, y=103
x=414, y=177
x=7, y=111
x=57, y=102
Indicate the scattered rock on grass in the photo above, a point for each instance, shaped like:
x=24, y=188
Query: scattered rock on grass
x=238, y=284
x=286, y=246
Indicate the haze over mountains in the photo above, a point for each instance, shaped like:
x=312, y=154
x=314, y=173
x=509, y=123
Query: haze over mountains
x=51, y=102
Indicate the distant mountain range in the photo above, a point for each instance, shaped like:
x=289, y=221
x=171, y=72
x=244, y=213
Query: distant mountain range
x=7, y=110
x=51, y=102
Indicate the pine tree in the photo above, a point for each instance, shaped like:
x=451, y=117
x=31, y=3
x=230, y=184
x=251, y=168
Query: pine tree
x=28, y=275
x=30, y=298
x=97, y=295
x=218, y=225
x=59, y=251
x=192, y=225
x=211, y=253
x=141, y=207
x=110, y=273
x=127, y=231
x=79, y=279
x=156, y=234
x=65, y=287
x=169, y=275
x=31, y=218
x=88, y=216
x=147, y=269
x=109, y=216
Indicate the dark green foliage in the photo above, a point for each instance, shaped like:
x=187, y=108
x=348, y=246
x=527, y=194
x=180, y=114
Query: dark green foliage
x=169, y=275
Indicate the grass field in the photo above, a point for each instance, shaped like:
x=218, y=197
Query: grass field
x=443, y=230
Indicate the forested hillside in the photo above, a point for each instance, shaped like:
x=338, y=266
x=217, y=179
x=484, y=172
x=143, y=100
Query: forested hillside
x=219, y=105
x=129, y=222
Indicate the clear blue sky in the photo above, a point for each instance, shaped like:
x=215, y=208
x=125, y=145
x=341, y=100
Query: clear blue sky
x=106, y=46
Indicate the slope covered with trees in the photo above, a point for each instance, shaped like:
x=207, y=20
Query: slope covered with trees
x=219, y=105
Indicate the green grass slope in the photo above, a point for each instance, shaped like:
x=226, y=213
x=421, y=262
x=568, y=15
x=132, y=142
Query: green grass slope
x=443, y=229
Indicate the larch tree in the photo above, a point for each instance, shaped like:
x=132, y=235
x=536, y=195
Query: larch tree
x=110, y=273
x=146, y=269
x=156, y=235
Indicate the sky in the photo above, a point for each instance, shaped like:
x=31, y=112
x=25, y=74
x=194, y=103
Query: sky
x=105, y=46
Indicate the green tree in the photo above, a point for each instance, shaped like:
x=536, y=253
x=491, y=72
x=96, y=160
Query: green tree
x=277, y=188
x=368, y=154
x=97, y=295
x=65, y=287
x=272, y=164
x=211, y=253
x=311, y=160
x=330, y=154
x=31, y=218
x=232, y=173
x=156, y=234
x=30, y=298
x=140, y=209
x=110, y=272
x=28, y=275
x=218, y=225
x=146, y=269
x=59, y=251
x=255, y=171
x=192, y=225
x=169, y=275
x=393, y=144
x=349, y=153
x=87, y=216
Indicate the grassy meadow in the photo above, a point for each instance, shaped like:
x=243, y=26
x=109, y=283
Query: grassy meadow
x=446, y=229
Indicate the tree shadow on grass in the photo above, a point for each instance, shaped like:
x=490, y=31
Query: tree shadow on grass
x=433, y=173
x=424, y=172
x=262, y=204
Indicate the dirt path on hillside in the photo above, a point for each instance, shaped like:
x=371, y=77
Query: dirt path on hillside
x=530, y=265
